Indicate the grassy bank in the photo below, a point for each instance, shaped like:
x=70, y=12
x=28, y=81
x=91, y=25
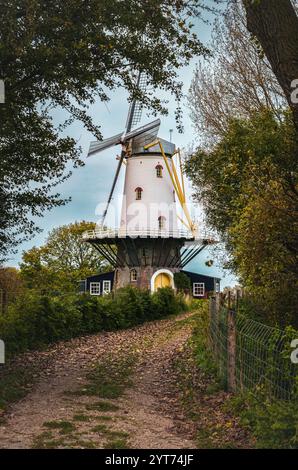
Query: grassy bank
x=270, y=423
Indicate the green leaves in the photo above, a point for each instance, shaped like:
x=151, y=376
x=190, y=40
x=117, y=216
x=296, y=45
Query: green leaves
x=248, y=185
x=34, y=319
x=182, y=282
x=273, y=423
x=69, y=55
x=62, y=261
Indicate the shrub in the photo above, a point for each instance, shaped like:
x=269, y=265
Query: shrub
x=128, y=302
x=197, y=304
x=35, y=320
x=272, y=422
x=182, y=282
x=91, y=315
x=165, y=302
x=147, y=304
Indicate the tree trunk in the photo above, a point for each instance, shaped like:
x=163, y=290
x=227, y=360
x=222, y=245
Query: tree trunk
x=275, y=24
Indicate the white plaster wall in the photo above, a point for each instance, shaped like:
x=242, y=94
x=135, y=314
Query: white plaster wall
x=157, y=196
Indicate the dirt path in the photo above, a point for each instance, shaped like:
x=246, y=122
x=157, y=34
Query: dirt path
x=128, y=401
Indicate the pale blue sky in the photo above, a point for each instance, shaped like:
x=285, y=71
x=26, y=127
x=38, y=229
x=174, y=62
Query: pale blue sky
x=90, y=185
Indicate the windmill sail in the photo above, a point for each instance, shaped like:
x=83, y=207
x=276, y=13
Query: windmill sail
x=98, y=146
x=113, y=186
x=151, y=126
x=136, y=107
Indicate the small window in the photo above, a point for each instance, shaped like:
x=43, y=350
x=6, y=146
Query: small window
x=106, y=287
x=133, y=275
x=198, y=289
x=158, y=169
x=95, y=288
x=82, y=286
x=138, y=193
x=161, y=222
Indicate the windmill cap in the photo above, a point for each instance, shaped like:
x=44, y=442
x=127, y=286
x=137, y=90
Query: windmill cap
x=139, y=143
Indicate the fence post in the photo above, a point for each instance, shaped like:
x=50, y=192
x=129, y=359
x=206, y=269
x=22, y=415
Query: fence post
x=217, y=303
x=211, y=307
x=231, y=350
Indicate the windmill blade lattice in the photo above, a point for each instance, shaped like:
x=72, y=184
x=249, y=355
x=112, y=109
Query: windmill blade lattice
x=142, y=84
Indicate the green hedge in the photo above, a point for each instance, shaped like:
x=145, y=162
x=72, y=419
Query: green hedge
x=272, y=422
x=35, y=320
x=182, y=282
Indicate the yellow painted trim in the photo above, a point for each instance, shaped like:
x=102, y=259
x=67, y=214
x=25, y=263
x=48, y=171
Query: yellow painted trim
x=168, y=167
x=182, y=221
x=177, y=181
x=187, y=214
x=148, y=146
x=180, y=185
x=182, y=202
x=177, y=187
x=181, y=172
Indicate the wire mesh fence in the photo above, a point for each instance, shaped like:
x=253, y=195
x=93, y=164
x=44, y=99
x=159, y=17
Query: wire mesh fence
x=251, y=355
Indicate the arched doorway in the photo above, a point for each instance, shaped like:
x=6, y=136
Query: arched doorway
x=162, y=278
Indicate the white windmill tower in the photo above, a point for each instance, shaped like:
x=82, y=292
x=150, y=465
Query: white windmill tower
x=146, y=249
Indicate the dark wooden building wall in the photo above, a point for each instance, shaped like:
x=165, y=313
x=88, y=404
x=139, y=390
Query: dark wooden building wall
x=84, y=285
x=209, y=281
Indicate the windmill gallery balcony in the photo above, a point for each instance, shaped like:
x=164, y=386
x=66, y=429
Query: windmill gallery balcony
x=101, y=234
x=135, y=248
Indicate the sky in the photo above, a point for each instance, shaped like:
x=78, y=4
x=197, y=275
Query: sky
x=90, y=185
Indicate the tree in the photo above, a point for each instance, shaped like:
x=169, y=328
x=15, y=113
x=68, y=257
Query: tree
x=11, y=286
x=247, y=184
x=63, y=260
x=236, y=81
x=68, y=55
x=10, y=279
x=182, y=282
x=265, y=251
x=275, y=25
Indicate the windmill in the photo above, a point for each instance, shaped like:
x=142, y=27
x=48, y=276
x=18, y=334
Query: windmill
x=125, y=137
x=146, y=250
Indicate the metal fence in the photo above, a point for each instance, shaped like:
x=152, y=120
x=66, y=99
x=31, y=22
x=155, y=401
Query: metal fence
x=251, y=355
